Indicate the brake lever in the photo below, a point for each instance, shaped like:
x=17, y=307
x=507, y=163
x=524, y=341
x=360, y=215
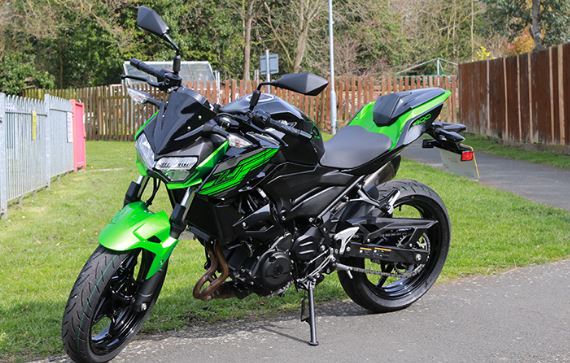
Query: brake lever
x=136, y=78
x=269, y=133
x=144, y=79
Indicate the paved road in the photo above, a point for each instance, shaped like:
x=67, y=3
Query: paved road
x=519, y=316
x=536, y=182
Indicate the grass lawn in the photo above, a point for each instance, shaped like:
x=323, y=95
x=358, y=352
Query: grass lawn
x=493, y=146
x=47, y=239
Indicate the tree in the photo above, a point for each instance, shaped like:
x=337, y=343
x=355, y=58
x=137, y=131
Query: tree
x=535, y=28
x=292, y=23
x=18, y=73
x=548, y=21
x=248, y=12
x=371, y=33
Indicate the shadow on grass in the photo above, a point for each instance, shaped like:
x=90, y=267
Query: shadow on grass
x=36, y=325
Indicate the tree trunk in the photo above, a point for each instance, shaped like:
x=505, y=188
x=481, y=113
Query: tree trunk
x=535, y=29
x=248, y=23
x=300, y=50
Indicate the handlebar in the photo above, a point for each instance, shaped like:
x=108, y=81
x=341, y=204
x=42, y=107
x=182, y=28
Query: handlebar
x=289, y=129
x=264, y=118
x=138, y=64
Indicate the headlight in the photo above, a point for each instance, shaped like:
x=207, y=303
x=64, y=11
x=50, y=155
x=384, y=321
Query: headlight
x=145, y=151
x=176, y=168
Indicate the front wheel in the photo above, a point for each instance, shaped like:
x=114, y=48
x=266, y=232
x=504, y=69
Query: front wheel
x=100, y=317
x=383, y=294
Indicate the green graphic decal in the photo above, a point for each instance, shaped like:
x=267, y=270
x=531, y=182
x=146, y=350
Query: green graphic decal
x=394, y=131
x=423, y=119
x=229, y=178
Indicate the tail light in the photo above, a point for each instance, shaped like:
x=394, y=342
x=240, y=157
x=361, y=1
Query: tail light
x=467, y=155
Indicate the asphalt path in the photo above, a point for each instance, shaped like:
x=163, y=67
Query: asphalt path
x=539, y=183
x=519, y=316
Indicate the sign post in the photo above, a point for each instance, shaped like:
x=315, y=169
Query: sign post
x=267, y=69
x=269, y=64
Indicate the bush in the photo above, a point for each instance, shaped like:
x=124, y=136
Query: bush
x=18, y=72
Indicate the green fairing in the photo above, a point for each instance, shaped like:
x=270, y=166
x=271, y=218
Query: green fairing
x=232, y=177
x=140, y=167
x=133, y=227
x=145, y=124
x=203, y=169
x=394, y=131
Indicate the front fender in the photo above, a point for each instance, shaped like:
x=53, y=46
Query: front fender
x=135, y=227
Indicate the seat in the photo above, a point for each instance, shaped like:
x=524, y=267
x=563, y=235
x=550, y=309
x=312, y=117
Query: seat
x=388, y=108
x=353, y=146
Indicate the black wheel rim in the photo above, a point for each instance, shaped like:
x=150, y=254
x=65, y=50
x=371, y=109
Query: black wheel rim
x=397, y=288
x=116, y=318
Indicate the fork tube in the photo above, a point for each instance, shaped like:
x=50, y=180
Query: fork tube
x=178, y=217
x=136, y=189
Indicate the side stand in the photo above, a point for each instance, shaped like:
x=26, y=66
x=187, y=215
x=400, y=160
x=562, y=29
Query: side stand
x=310, y=318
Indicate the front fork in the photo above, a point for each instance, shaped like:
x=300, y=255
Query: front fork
x=177, y=226
x=180, y=210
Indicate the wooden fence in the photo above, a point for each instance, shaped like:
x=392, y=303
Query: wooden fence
x=519, y=99
x=111, y=115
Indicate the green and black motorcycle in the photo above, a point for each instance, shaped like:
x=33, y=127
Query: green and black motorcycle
x=272, y=205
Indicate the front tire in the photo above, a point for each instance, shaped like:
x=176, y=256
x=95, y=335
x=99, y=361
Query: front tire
x=100, y=317
x=387, y=295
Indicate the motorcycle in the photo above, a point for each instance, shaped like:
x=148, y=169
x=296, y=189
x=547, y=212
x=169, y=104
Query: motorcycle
x=271, y=203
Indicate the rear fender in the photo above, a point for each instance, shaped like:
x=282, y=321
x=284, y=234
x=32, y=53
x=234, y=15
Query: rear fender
x=135, y=227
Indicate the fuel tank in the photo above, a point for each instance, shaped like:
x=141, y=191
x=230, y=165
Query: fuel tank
x=299, y=150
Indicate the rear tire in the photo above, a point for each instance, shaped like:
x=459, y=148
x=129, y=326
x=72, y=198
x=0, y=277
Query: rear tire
x=92, y=295
x=404, y=292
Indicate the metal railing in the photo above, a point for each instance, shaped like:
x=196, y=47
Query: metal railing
x=35, y=144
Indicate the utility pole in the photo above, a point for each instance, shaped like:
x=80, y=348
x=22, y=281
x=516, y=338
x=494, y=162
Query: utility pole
x=268, y=71
x=331, y=46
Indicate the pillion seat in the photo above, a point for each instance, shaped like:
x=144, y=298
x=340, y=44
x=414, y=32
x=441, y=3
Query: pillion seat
x=388, y=108
x=353, y=146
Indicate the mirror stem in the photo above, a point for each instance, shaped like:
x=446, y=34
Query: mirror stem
x=176, y=63
x=254, y=98
x=261, y=84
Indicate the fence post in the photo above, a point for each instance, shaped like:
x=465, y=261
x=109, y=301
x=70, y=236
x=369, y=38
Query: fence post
x=47, y=105
x=3, y=171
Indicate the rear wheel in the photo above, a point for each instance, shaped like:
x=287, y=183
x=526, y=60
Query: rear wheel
x=101, y=317
x=388, y=293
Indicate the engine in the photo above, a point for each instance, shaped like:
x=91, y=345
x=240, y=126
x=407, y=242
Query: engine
x=265, y=270
x=261, y=260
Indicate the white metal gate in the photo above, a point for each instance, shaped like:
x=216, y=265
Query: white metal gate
x=35, y=144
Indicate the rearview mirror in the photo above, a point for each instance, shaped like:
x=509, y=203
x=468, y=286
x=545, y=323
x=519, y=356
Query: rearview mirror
x=150, y=21
x=305, y=83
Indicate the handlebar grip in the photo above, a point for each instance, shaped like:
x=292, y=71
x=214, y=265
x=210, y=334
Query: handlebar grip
x=138, y=64
x=289, y=130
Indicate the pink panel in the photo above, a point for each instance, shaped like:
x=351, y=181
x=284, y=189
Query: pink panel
x=78, y=135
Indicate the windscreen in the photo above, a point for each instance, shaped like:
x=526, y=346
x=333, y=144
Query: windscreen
x=184, y=111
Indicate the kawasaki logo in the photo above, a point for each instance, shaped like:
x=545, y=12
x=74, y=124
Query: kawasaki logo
x=423, y=119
